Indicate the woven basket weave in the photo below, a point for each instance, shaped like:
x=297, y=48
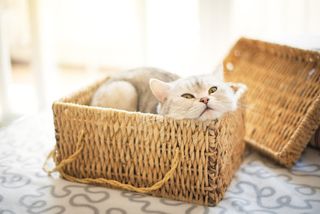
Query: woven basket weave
x=186, y=160
x=283, y=96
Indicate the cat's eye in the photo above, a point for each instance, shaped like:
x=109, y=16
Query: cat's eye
x=187, y=95
x=212, y=89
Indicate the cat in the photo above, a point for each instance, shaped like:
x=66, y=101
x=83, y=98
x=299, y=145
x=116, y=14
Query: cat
x=153, y=90
x=196, y=97
x=129, y=90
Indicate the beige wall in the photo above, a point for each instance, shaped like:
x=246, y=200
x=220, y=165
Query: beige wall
x=188, y=37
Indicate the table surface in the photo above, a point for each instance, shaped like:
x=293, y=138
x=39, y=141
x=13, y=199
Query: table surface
x=259, y=186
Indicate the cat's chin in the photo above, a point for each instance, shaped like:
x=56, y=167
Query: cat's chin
x=209, y=114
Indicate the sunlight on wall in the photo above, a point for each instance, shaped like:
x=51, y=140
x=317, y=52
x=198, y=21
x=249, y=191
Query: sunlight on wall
x=284, y=21
x=186, y=37
x=173, y=36
x=99, y=32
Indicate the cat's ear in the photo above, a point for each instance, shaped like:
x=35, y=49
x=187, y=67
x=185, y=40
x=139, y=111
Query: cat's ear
x=159, y=89
x=234, y=87
x=237, y=88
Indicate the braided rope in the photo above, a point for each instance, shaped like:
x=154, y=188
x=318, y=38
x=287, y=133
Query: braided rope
x=103, y=181
x=71, y=158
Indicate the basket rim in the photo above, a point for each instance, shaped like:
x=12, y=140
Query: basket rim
x=280, y=50
x=63, y=102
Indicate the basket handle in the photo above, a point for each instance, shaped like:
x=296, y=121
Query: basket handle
x=114, y=183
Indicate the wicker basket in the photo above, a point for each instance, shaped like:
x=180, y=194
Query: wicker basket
x=186, y=160
x=283, y=96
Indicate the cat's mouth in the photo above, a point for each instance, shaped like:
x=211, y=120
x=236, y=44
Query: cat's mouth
x=205, y=110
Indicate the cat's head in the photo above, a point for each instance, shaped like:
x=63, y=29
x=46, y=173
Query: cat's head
x=198, y=97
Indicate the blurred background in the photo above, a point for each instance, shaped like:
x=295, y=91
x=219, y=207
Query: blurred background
x=49, y=48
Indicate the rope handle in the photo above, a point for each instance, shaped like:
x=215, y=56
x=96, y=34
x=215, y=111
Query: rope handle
x=114, y=183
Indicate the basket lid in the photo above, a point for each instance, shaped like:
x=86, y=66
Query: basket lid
x=283, y=96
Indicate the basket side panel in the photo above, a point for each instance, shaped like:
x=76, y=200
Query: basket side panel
x=229, y=134
x=136, y=149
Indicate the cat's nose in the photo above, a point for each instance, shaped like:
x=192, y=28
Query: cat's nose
x=204, y=100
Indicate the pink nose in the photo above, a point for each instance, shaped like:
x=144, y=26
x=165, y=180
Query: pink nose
x=204, y=100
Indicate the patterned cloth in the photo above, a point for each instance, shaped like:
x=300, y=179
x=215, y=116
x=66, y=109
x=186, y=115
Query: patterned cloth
x=259, y=186
x=315, y=140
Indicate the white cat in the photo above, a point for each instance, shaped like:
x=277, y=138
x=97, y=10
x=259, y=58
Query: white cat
x=197, y=97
